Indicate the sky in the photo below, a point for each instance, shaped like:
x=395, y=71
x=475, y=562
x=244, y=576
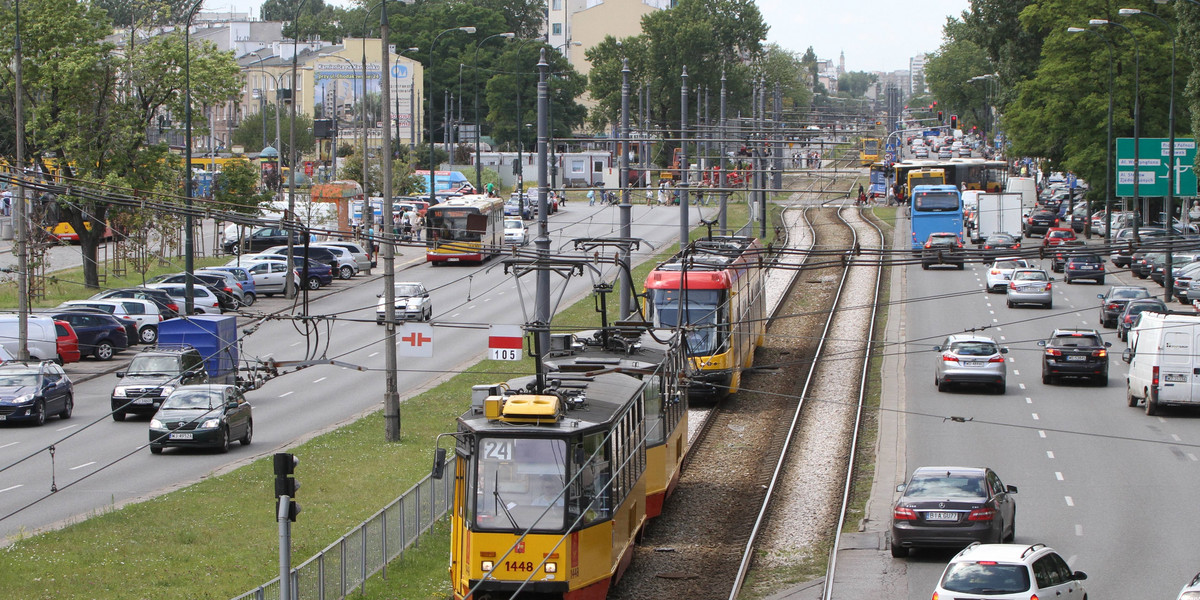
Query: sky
x=876, y=35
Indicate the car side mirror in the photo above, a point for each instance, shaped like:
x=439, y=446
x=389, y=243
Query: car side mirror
x=1012, y=489
x=120, y=373
x=1042, y=343
x=1100, y=296
x=900, y=488
x=937, y=348
x=231, y=405
x=1079, y=575
x=1004, y=350
x=439, y=463
x=1127, y=355
x=378, y=295
x=1108, y=344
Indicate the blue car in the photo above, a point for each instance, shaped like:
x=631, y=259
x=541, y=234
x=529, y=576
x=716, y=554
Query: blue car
x=30, y=391
x=244, y=278
x=100, y=334
x=319, y=274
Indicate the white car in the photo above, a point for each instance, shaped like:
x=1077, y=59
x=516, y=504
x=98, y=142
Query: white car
x=204, y=302
x=142, y=312
x=361, y=256
x=270, y=276
x=412, y=303
x=1010, y=572
x=1001, y=271
x=515, y=232
x=1191, y=591
x=347, y=263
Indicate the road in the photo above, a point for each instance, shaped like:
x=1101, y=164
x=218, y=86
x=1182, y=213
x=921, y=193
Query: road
x=104, y=464
x=1100, y=482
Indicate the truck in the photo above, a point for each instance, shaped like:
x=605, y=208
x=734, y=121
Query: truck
x=997, y=213
x=215, y=336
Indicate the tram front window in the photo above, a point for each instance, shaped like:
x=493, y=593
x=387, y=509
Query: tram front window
x=703, y=311
x=518, y=484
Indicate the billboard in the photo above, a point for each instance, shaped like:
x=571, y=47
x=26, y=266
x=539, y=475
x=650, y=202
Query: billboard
x=339, y=90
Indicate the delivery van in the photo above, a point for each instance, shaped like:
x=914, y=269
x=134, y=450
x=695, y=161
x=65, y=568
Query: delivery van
x=1027, y=188
x=1164, y=365
x=42, y=337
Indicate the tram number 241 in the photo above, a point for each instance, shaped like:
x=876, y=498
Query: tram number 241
x=505, y=353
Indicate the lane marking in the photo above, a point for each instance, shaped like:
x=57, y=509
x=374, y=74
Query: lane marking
x=1079, y=532
x=1070, y=501
x=1175, y=437
x=1049, y=454
x=1036, y=417
x=286, y=394
x=1002, y=338
x=320, y=380
x=1022, y=386
x=67, y=427
x=1029, y=401
x=992, y=312
x=9, y=444
x=1191, y=456
x=1016, y=372
x=454, y=315
x=1058, y=475
x=995, y=320
x=372, y=355
x=86, y=464
x=295, y=344
x=10, y=488
x=999, y=328
x=1162, y=420
x=1041, y=433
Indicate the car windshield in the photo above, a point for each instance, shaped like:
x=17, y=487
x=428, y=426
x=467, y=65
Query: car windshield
x=18, y=378
x=942, y=239
x=1137, y=308
x=973, y=348
x=1075, y=341
x=513, y=224
x=1009, y=264
x=193, y=399
x=1127, y=293
x=153, y=365
x=945, y=485
x=985, y=578
x=407, y=290
x=1031, y=276
x=1086, y=258
x=936, y=201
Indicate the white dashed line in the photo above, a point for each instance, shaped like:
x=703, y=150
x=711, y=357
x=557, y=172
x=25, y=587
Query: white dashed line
x=454, y=315
x=1175, y=437
x=1078, y=529
x=992, y=312
x=989, y=304
x=67, y=427
x=995, y=320
x=1002, y=338
x=1191, y=456
x=1049, y=454
x=1041, y=433
x=1000, y=329
x=1079, y=315
x=1021, y=385
x=10, y=488
x=320, y=380
x=86, y=464
x=1162, y=420
x=1029, y=401
x=1036, y=417
x=1058, y=475
x=1016, y=372
x=372, y=355
x=295, y=344
x=286, y=394
x=1070, y=501
x=9, y=444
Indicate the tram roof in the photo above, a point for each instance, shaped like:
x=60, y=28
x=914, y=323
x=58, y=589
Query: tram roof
x=606, y=397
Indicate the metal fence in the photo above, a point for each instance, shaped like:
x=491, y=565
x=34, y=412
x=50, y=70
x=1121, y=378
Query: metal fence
x=347, y=563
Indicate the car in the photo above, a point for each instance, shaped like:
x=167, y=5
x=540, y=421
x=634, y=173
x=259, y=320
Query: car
x=412, y=302
x=261, y=239
x=143, y=314
x=950, y=507
x=515, y=232
x=166, y=305
x=152, y=375
x=202, y=416
x=1178, y=260
x=67, y=343
x=1075, y=353
x=269, y=276
x=347, y=264
x=1129, y=316
x=970, y=359
x=1140, y=263
x=131, y=334
x=335, y=258
x=1190, y=591
x=243, y=278
x=943, y=248
x=229, y=295
x=1060, y=253
x=1183, y=280
x=921, y=151
x=204, y=299
x=29, y=391
x=1039, y=222
x=319, y=274
x=1001, y=271
x=1000, y=243
x=1114, y=300
x=1058, y=235
x=1122, y=242
x=362, y=259
x=1010, y=572
x=1030, y=286
x=1084, y=266
x=513, y=208
x=945, y=152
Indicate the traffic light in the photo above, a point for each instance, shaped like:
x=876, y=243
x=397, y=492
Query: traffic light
x=953, y=121
x=940, y=120
x=285, y=485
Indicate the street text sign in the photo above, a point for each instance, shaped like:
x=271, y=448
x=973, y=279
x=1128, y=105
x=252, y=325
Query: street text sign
x=1153, y=166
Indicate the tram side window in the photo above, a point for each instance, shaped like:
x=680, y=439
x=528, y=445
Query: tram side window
x=594, y=499
x=655, y=423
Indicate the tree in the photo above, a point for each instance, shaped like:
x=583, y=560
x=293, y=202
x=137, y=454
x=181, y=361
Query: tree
x=237, y=188
x=249, y=132
x=1013, y=48
x=948, y=73
x=518, y=76
x=523, y=17
x=856, y=83
x=789, y=70
x=145, y=13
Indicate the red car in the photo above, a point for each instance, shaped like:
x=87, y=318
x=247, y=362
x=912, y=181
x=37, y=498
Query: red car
x=67, y=343
x=1057, y=235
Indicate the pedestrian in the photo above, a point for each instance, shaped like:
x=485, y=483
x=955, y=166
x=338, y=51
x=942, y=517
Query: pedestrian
x=860, y=191
x=406, y=225
x=662, y=193
x=6, y=202
x=649, y=196
x=591, y=196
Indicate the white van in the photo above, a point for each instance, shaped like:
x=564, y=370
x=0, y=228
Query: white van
x=1027, y=187
x=1164, y=367
x=42, y=337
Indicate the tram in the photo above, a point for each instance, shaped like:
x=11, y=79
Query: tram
x=714, y=290
x=464, y=229
x=868, y=150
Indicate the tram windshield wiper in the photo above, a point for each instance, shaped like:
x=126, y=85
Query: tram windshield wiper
x=500, y=501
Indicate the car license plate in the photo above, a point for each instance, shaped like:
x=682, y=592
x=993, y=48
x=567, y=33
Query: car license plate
x=180, y=436
x=3, y=417
x=1176, y=377
x=142, y=401
x=1076, y=358
x=941, y=516
x=972, y=363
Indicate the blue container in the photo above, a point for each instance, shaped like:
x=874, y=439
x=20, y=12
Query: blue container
x=215, y=336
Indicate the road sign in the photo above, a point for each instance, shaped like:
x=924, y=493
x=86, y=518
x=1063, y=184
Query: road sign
x=1153, y=166
x=505, y=342
x=415, y=340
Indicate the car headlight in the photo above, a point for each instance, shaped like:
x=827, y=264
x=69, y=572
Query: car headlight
x=156, y=424
x=167, y=389
x=119, y=392
x=210, y=423
x=1190, y=596
x=23, y=399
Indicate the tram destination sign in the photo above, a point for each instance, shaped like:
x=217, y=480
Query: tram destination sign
x=1153, y=166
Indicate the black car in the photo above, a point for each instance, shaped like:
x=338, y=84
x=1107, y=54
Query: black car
x=1075, y=353
x=100, y=334
x=1123, y=242
x=1039, y=222
x=29, y=391
x=261, y=239
x=1141, y=266
x=215, y=283
x=942, y=249
x=152, y=375
x=1128, y=317
x=999, y=244
x=1114, y=301
x=166, y=305
x=950, y=507
x=322, y=255
x=202, y=416
x=1084, y=266
x=1061, y=252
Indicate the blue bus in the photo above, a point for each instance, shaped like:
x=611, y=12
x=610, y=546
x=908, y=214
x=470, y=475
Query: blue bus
x=935, y=209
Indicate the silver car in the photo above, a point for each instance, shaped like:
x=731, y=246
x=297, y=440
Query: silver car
x=412, y=303
x=1030, y=286
x=1001, y=270
x=970, y=359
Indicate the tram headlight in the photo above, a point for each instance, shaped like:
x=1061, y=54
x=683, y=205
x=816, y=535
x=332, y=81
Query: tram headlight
x=551, y=567
x=487, y=566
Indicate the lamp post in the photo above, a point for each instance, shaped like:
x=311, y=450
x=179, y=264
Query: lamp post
x=428, y=82
x=508, y=35
x=1137, y=117
x=189, y=264
x=1169, y=205
x=1108, y=150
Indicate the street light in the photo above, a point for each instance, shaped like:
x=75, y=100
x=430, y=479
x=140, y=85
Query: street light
x=1137, y=116
x=429, y=86
x=189, y=265
x=1108, y=151
x=1169, y=207
x=289, y=286
x=278, y=86
x=475, y=80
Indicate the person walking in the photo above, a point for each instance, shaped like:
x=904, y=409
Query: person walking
x=662, y=193
x=591, y=196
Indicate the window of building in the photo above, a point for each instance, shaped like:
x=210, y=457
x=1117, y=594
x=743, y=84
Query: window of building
x=556, y=5
x=557, y=29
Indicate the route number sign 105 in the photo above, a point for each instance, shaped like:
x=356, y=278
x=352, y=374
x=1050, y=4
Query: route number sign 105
x=505, y=353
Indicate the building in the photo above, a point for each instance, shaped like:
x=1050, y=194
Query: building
x=916, y=69
x=588, y=22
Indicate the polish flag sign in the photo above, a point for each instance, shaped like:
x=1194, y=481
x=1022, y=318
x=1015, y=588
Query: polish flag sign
x=414, y=340
x=505, y=342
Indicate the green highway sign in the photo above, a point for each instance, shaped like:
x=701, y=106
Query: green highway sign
x=1153, y=166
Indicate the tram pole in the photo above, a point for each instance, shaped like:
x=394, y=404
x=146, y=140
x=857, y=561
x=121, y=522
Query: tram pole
x=391, y=390
x=762, y=160
x=542, y=242
x=683, y=161
x=722, y=220
x=626, y=207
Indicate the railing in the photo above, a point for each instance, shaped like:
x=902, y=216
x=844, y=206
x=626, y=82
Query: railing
x=347, y=563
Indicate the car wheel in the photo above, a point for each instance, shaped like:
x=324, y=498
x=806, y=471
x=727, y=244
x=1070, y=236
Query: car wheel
x=148, y=335
x=223, y=443
x=1001, y=388
x=1102, y=380
x=249, y=433
x=1100, y=281
x=1012, y=528
x=104, y=350
x=1010, y=304
x=429, y=313
x=249, y=301
x=346, y=272
x=156, y=448
x=314, y=284
x=943, y=386
x=1151, y=404
x=898, y=551
x=118, y=416
x=68, y=408
x=1130, y=399
x=924, y=266
x=268, y=295
x=1047, y=379
x=1066, y=280
x=1049, y=305
x=39, y=413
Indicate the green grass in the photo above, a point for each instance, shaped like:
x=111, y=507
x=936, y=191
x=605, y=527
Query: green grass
x=218, y=538
x=887, y=214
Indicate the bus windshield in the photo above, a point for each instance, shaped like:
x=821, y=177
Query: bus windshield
x=871, y=146
x=704, y=308
x=519, y=484
x=459, y=225
x=915, y=180
x=935, y=201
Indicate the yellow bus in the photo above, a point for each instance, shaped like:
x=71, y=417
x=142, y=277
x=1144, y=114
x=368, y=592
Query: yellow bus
x=869, y=150
x=925, y=177
x=464, y=229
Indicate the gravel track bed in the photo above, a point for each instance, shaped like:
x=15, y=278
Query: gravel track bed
x=693, y=549
x=815, y=472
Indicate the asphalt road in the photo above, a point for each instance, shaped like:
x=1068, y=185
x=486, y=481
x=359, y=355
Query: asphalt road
x=1102, y=483
x=104, y=463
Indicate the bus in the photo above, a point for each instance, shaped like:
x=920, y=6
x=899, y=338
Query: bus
x=963, y=173
x=934, y=209
x=868, y=150
x=917, y=177
x=464, y=229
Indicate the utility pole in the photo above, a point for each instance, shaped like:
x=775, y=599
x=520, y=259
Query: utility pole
x=683, y=161
x=723, y=182
x=542, y=242
x=626, y=207
x=762, y=176
x=20, y=214
x=391, y=393
x=778, y=155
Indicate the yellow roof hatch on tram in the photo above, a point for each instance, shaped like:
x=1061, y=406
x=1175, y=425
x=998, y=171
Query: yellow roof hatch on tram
x=530, y=408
